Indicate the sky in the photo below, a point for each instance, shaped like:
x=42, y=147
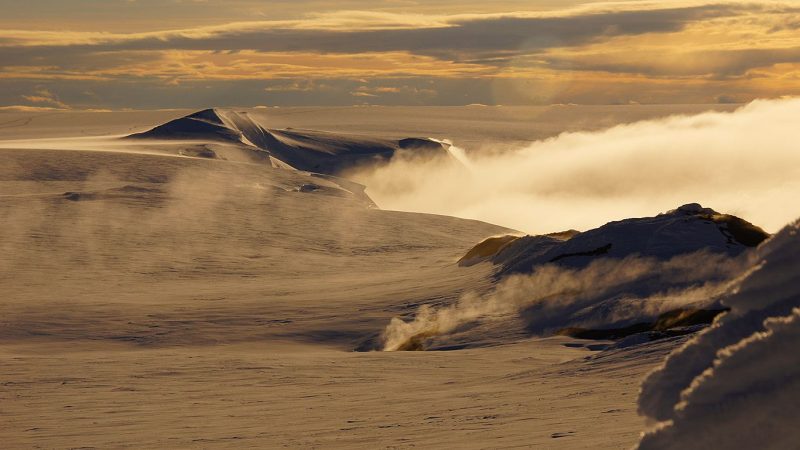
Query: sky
x=145, y=54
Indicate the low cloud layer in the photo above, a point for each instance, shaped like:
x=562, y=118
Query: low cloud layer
x=744, y=163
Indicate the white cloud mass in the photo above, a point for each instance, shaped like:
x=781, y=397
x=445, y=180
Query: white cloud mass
x=744, y=163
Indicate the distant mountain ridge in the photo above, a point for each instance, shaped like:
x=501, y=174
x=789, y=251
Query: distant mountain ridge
x=307, y=150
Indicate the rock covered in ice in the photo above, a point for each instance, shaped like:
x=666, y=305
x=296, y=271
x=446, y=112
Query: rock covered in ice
x=687, y=229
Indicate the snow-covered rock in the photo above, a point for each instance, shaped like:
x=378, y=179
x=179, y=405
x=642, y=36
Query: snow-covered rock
x=737, y=385
x=687, y=229
x=659, y=275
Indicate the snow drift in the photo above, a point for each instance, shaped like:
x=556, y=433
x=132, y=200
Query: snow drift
x=738, y=384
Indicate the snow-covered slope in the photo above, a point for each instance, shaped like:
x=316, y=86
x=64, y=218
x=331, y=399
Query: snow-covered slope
x=182, y=291
x=183, y=302
x=308, y=150
x=737, y=385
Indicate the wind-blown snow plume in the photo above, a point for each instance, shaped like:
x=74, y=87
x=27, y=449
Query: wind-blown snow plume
x=184, y=215
x=745, y=163
x=608, y=291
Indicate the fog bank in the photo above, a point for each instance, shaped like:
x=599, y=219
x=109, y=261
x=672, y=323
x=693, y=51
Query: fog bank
x=744, y=163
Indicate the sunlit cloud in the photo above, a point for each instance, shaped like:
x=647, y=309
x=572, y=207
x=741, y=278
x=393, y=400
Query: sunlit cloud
x=744, y=162
x=687, y=51
x=45, y=98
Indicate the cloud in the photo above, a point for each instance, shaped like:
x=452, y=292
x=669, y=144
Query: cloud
x=25, y=108
x=693, y=63
x=445, y=37
x=577, y=49
x=295, y=86
x=409, y=93
x=727, y=99
x=744, y=163
x=44, y=96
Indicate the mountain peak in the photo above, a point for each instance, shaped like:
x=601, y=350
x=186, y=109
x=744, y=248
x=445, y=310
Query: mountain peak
x=692, y=209
x=213, y=115
x=308, y=150
x=208, y=124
